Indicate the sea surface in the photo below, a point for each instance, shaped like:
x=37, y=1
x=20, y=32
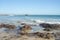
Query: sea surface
x=30, y=19
x=38, y=18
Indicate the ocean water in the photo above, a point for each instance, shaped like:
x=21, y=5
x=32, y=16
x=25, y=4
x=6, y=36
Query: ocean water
x=31, y=19
x=37, y=18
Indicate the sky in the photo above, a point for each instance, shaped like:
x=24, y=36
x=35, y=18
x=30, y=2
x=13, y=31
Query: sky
x=32, y=7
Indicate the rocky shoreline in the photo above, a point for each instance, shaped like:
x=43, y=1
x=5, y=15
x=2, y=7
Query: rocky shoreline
x=24, y=32
x=52, y=27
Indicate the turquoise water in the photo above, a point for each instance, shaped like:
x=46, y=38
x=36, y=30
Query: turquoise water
x=55, y=18
x=30, y=19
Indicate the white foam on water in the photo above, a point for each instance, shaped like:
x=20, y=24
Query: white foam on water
x=46, y=21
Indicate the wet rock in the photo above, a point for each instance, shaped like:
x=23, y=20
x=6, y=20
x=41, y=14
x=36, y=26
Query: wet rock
x=25, y=29
x=7, y=26
x=45, y=25
x=47, y=29
x=51, y=26
x=23, y=23
x=2, y=25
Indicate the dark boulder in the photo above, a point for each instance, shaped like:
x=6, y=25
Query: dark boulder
x=45, y=25
x=50, y=26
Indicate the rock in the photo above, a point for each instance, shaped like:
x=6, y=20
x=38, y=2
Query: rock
x=25, y=29
x=23, y=23
x=44, y=35
x=2, y=25
x=45, y=25
x=50, y=26
x=49, y=35
x=7, y=26
x=39, y=34
x=47, y=29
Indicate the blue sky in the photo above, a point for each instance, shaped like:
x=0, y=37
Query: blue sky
x=33, y=7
